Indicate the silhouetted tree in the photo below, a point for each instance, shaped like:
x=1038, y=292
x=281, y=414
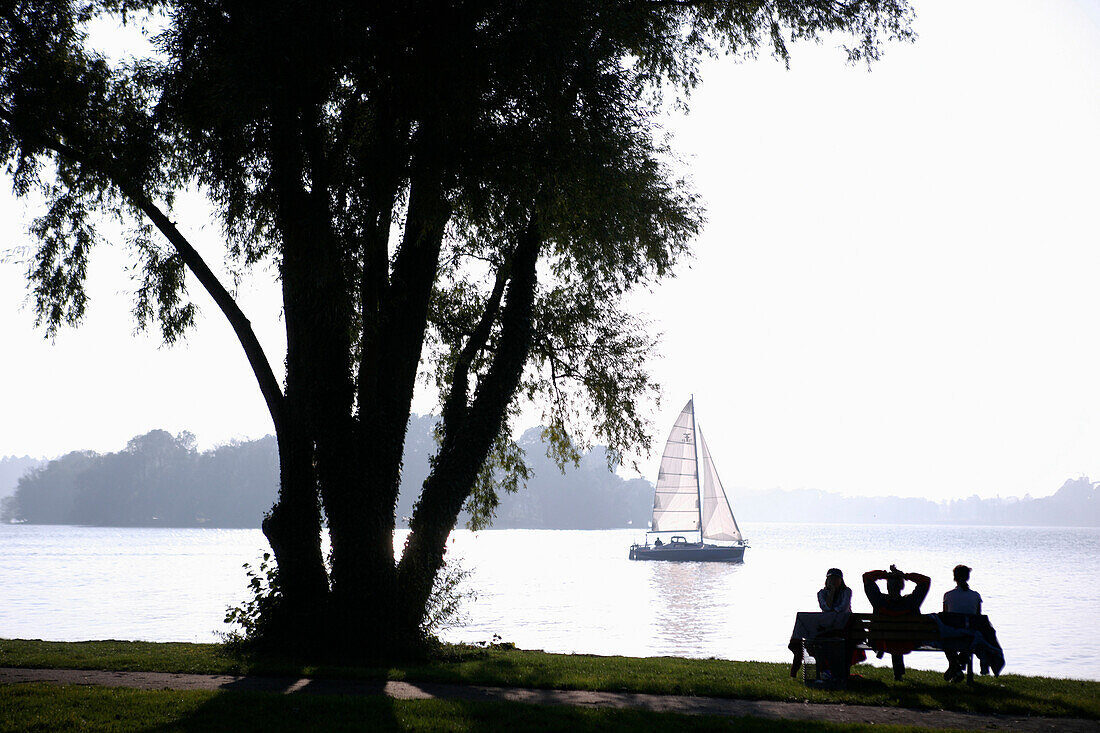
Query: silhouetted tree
x=462, y=190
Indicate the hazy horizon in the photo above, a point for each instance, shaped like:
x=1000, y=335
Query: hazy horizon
x=591, y=463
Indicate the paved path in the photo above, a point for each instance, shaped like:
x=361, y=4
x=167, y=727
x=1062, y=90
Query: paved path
x=656, y=703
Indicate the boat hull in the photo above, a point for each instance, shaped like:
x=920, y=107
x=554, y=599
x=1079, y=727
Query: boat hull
x=692, y=552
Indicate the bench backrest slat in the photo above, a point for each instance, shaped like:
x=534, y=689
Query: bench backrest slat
x=881, y=627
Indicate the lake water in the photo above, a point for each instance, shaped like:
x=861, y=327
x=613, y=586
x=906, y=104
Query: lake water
x=576, y=591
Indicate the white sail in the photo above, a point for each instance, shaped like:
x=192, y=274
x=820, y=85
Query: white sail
x=718, y=521
x=676, y=500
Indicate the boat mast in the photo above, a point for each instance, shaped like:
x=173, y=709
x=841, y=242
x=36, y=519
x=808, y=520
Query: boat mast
x=698, y=483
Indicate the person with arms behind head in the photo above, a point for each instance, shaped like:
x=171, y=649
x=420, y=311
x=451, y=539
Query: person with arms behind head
x=893, y=603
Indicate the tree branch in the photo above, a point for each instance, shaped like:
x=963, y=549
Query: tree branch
x=388, y=365
x=242, y=327
x=465, y=446
x=477, y=340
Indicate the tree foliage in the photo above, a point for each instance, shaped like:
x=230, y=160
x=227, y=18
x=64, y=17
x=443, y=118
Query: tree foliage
x=457, y=191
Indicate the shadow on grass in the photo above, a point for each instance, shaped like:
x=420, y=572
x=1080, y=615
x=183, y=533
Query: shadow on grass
x=235, y=710
x=256, y=711
x=1007, y=695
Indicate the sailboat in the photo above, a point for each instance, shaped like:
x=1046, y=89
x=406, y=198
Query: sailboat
x=681, y=503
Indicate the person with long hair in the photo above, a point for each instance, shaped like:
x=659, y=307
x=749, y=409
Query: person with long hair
x=835, y=596
x=835, y=602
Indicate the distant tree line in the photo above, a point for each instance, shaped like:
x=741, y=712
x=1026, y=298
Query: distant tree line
x=1075, y=504
x=162, y=480
x=157, y=480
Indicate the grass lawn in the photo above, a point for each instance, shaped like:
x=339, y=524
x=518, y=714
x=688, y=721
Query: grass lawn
x=39, y=707
x=1009, y=694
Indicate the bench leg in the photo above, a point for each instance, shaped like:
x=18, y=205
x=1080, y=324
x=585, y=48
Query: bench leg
x=969, y=668
x=897, y=661
x=805, y=667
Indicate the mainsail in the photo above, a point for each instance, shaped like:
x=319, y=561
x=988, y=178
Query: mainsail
x=718, y=521
x=676, y=500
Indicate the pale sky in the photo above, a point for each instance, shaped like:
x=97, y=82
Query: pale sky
x=896, y=292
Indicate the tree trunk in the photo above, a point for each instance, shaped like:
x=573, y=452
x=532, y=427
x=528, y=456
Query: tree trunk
x=293, y=528
x=468, y=436
x=317, y=312
x=361, y=503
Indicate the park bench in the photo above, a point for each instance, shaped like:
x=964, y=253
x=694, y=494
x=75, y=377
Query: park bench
x=864, y=630
x=921, y=631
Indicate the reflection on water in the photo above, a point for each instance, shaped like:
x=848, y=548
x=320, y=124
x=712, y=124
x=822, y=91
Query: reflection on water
x=576, y=591
x=691, y=601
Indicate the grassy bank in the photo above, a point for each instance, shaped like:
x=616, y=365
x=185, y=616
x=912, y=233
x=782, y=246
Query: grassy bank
x=1009, y=694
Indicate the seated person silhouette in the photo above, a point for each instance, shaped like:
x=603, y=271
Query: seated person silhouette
x=960, y=599
x=893, y=603
x=835, y=602
x=963, y=600
x=835, y=596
